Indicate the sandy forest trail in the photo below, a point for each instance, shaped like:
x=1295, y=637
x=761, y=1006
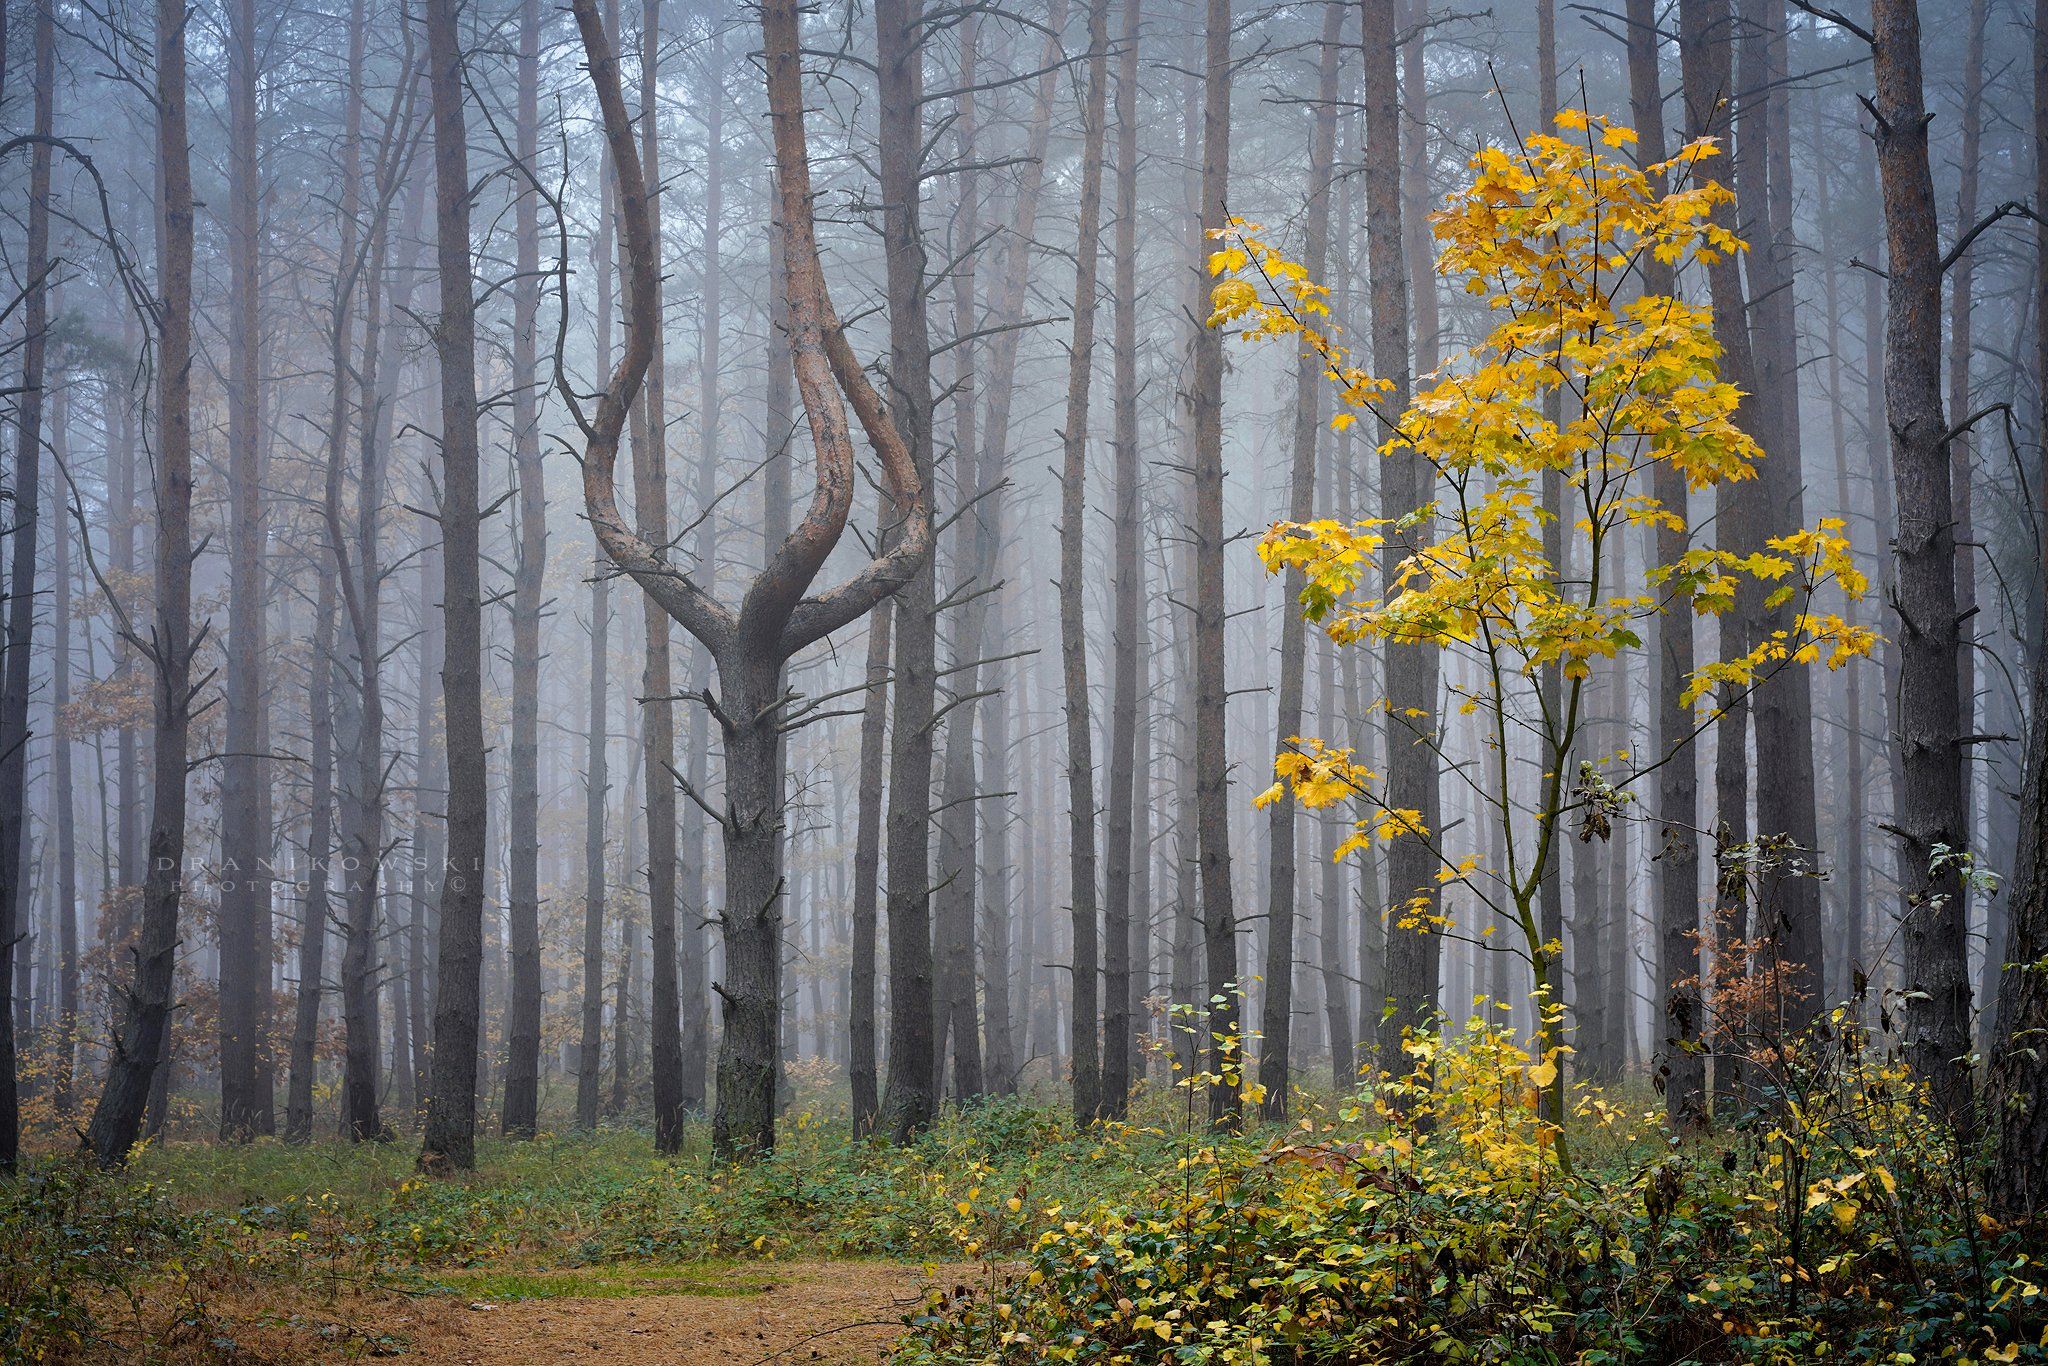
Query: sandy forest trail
x=776, y=1312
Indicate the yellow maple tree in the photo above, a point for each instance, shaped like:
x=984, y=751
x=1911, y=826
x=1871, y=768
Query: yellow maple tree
x=1585, y=376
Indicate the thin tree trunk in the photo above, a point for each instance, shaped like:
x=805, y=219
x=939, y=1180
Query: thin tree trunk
x=244, y=911
x=1087, y=980
x=1706, y=73
x=909, y=1101
x=867, y=856
x=63, y=796
x=1282, y=915
x=1413, y=947
x=2018, y=1092
x=21, y=585
x=298, y=1108
x=449, y=1140
x=596, y=769
x=1788, y=896
x=141, y=1047
x=1853, y=859
x=360, y=576
x=957, y=817
x=1121, y=921
x=521, y=1114
x=693, y=991
x=1212, y=767
x=1962, y=318
x=1679, y=1061
x=657, y=685
x=980, y=616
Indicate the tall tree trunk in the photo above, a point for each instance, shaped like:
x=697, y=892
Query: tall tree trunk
x=141, y=1046
x=429, y=828
x=775, y=619
x=1679, y=1061
x=1962, y=318
x=980, y=616
x=21, y=584
x=449, y=1139
x=298, y=1106
x=521, y=1113
x=909, y=1100
x=863, y=1070
x=957, y=816
x=63, y=796
x=1936, y=967
x=244, y=912
x=1550, y=894
x=1853, y=859
x=1413, y=948
x=1121, y=920
x=657, y=736
x=1706, y=73
x=2017, y=1097
x=1788, y=895
x=360, y=574
x=596, y=767
x=693, y=991
x=129, y=810
x=1277, y=1024
x=1087, y=979
x=1212, y=760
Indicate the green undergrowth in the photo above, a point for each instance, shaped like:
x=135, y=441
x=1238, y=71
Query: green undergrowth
x=1836, y=1219
x=88, y=1257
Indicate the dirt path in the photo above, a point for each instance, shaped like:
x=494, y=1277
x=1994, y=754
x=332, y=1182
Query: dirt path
x=771, y=1313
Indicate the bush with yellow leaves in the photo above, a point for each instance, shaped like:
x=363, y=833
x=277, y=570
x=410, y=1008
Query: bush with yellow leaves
x=1426, y=1222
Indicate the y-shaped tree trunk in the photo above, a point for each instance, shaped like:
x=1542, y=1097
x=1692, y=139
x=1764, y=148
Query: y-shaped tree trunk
x=777, y=616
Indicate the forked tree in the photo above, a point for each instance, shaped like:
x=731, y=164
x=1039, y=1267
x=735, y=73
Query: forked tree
x=750, y=644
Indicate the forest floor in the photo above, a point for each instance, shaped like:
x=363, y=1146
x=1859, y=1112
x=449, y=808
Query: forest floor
x=639, y=1315
x=1428, y=1220
x=589, y=1247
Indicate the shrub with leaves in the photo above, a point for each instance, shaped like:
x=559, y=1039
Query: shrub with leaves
x=1426, y=1223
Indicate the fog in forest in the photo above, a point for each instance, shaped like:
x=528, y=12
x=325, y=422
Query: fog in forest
x=626, y=565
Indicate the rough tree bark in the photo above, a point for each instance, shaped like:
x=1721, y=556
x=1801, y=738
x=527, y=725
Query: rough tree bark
x=449, y=1137
x=1962, y=327
x=141, y=1042
x=1936, y=966
x=909, y=1098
